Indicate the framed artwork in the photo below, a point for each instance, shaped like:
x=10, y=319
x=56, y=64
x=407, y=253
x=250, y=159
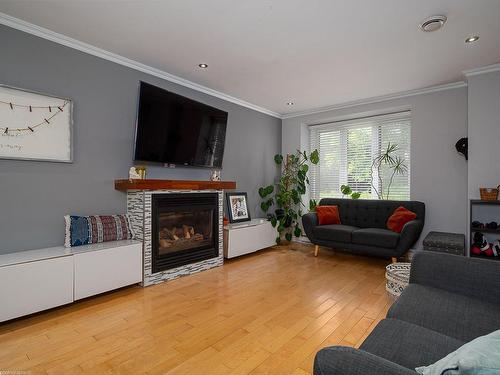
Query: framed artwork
x=237, y=207
x=35, y=126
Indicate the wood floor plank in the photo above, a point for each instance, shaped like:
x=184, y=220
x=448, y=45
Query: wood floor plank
x=265, y=313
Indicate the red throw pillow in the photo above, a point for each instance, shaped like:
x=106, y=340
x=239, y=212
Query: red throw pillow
x=399, y=218
x=328, y=215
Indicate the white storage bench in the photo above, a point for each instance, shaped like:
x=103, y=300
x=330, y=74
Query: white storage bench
x=36, y=280
x=248, y=236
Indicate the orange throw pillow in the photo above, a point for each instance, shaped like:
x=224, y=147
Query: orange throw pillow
x=399, y=218
x=328, y=215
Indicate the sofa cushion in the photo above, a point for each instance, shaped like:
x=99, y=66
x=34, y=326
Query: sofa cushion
x=408, y=344
x=83, y=230
x=328, y=215
x=338, y=233
x=376, y=237
x=454, y=315
x=399, y=218
x=479, y=356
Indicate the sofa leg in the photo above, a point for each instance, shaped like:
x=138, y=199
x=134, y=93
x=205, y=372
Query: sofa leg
x=316, y=250
x=394, y=260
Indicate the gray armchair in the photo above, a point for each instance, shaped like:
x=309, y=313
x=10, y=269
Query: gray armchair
x=345, y=360
x=450, y=300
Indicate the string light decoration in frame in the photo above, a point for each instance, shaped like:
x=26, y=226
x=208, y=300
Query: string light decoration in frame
x=35, y=126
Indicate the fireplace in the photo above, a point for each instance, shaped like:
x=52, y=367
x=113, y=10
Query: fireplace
x=158, y=209
x=185, y=229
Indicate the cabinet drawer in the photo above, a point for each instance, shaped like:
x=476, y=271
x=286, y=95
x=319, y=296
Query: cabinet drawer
x=35, y=286
x=100, y=271
x=245, y=240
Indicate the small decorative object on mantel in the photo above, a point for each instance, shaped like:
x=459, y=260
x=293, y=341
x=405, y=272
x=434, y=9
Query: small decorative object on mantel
x=237, y=207
x=137, y=173
x=489, y=194
x=132, y=174
x=215, y=175
x=34, y=126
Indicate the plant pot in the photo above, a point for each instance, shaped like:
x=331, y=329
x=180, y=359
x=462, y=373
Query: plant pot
x=280, y=213
x=283, y=240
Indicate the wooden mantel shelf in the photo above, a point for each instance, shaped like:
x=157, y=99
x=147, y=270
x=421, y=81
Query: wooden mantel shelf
x=149, y=184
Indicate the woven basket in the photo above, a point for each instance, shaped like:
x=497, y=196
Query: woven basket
x=397, y=276
x=489, y=194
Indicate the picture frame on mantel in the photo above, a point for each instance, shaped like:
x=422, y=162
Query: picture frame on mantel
x=35, y=126
x=237, y=207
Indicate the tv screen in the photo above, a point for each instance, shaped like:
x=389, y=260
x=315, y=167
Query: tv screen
x=172, y=129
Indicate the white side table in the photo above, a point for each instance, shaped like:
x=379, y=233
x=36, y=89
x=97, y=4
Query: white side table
x=248, y=236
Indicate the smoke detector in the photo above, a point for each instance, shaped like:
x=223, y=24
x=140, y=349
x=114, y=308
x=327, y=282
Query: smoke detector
x=432, y=23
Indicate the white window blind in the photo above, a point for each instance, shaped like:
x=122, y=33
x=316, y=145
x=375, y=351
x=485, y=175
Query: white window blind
x=347, y=149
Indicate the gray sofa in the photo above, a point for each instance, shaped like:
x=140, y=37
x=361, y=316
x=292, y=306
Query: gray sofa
x=450, y=300
x=363, y=229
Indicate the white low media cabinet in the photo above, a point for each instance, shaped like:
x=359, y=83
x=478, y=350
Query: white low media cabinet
x=36, y=280
x=247, y=237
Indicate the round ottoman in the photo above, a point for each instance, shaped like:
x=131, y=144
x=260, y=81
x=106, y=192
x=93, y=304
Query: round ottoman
x=397, y=276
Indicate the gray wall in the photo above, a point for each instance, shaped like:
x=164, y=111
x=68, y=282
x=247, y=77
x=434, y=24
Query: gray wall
x=484, y=132
x=438, y=172
x=34, y=196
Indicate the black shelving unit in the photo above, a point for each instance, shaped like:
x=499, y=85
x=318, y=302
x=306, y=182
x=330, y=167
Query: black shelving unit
x=495, y=232
x=479, y=201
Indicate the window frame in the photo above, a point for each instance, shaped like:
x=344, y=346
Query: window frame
x=377, y=123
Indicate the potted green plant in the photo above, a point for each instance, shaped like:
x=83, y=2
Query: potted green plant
x=391, y=162
x=346, y=190
x=286, y=194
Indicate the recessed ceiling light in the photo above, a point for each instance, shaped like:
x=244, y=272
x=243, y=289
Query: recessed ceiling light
x=433, y=23
x=289, y=103
x=203, y=66
x=471, y=39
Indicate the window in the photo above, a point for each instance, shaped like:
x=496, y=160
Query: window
x=347, y=150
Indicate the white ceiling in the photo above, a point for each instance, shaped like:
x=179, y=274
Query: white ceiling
x=315, y=53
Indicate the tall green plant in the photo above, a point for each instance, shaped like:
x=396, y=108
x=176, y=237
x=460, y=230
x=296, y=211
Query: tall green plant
x=286, y=194
x=346, y=190
x=396, y=165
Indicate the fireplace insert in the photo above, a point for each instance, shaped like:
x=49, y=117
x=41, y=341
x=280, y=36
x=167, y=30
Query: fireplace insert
x=185, y=229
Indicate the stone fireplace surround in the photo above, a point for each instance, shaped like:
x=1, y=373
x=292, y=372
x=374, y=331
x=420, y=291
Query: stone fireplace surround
x=139, y=199
x=139, y=210
x=185, y=229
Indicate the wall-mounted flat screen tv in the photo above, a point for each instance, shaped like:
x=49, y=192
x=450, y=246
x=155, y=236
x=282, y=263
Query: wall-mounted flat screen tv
x=172, y=129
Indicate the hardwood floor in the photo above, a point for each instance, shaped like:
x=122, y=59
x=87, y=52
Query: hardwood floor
x=267, y=313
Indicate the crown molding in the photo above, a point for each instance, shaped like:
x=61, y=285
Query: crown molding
x=376, y=99
x=44, y=33
x=47, y=34
x=482, y=70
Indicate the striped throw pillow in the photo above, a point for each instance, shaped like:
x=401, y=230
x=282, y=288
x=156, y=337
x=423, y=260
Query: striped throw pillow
x=83, y=230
